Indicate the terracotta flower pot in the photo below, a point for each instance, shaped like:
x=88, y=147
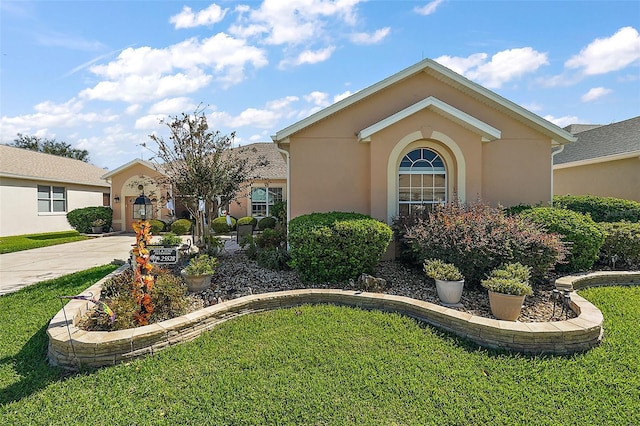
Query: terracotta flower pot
x=505, y=306
x=197, y=282
x=449, y=292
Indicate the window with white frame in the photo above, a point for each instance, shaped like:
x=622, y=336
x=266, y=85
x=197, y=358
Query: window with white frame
x=52, y=199
x=422, y=181
x=263, y=199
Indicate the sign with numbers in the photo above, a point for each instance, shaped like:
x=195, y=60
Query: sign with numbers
x=163, y=255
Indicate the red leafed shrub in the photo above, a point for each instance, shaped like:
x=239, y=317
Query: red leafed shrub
x=478, y=238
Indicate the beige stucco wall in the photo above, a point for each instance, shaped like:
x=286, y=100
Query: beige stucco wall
x=331, y=170
x=619, y=179
x=19, y=200
x=125, y=186
x=241, y=206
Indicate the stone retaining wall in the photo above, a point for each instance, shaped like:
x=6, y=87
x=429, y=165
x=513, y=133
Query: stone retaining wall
x=71, y=347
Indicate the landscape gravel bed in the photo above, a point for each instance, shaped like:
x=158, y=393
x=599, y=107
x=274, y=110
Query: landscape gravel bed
x=239, y=276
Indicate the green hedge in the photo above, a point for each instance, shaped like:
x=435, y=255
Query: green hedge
x=80, y=219
x=219, y=225
x=336, y=246
x=267, y=223
x=622, y=244
x=601, y=209
x=157, y=226
x=583, y=235
x=181, y=227
x=246, y=220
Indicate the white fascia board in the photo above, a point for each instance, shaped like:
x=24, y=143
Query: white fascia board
x=488, y=132
x=129, y=164
x=597, y=160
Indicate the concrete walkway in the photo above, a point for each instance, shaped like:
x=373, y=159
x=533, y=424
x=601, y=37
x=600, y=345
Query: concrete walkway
x=22, y=268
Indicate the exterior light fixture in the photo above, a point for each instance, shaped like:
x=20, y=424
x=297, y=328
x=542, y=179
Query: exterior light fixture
x=142, y=207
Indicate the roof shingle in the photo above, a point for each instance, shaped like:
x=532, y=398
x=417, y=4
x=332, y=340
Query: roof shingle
x=33, y=165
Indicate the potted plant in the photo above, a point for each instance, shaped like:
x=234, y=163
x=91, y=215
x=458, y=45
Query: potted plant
x=96, y=226
x=507, y=288
x=198, y=272
x=449, y=280
x=170, y=240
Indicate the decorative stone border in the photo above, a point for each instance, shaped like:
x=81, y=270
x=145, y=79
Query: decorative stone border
x=71, y=347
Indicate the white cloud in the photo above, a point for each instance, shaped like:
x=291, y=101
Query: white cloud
x=595, y=93
x=604, y=55
x=503, y=67
x=187, y=19
x=173, y=106
x=49, y=116
x=428, y=8
x=294, y=21
x=341, y=96
x=366, y=38
x=133, y=109
x=282, y=103
x=151, y=121
x=147, y=74
x=317, y=98
x=309, y=57
x=562, y=121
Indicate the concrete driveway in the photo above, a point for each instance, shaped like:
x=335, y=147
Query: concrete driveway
x=19, y=269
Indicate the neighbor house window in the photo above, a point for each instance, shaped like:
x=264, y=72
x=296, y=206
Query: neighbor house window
x=52, y=199
x=422, y=181
x=263, y=199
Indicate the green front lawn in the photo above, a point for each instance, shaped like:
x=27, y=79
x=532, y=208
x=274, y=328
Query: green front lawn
x=31, y=241
x=320, y=365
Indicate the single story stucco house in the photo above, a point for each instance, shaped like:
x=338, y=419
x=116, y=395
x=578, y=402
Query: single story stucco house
x=604, y=161
x=37, y=190
x=425, y=135
x=129, y=180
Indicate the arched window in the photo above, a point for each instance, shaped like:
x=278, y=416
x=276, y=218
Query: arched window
x=422, y=181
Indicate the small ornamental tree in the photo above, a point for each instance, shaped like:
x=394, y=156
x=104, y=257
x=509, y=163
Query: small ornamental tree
x=203, y=168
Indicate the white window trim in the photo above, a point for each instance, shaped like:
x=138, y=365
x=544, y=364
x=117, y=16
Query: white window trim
x=455, y=165
x=51, y=200
x=268, y=188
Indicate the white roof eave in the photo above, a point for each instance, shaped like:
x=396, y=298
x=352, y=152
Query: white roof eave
x=559, y=135
x=488, y=132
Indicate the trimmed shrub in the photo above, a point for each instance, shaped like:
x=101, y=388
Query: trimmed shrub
x=581, y=234
x=247, y=220
x=621, y=248
x=336, y=246
x=219, y=225
x=601, y=209
x=267, y=223
x=80, y=219
x=157, y=226
x=478, y=238
x=181, y=227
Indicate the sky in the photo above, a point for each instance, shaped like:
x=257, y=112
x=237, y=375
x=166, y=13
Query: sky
x=101, y=75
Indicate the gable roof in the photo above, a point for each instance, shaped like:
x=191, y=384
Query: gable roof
x=22, y=163
x=444, y=74
x=275, y=169
x=614, y=141
x=131, y=163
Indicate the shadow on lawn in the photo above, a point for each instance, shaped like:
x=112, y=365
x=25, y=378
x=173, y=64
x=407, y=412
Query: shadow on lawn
x=32, y=366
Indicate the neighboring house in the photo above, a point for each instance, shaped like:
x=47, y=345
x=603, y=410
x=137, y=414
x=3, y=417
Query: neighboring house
x=256, y=201
x=37, y=190
x=604, y=161
x=423, y=136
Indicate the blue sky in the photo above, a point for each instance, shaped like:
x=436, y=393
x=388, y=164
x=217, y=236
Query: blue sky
x=99, y=75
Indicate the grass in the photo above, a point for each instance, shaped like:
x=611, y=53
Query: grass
x=320, y=365
x=31, y=241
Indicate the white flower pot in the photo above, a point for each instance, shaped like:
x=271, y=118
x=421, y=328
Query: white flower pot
x=449, y=292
